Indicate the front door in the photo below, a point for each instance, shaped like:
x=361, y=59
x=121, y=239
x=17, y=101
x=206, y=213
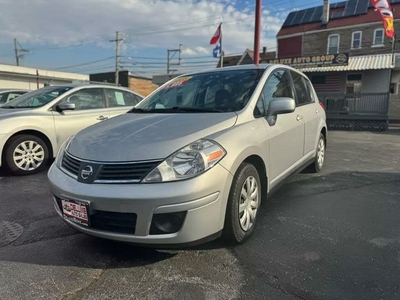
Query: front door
x=90, y=108
x=286, y=136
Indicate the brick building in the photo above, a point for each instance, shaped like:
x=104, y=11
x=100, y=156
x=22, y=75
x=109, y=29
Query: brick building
x=359, y=71
x=141, y=85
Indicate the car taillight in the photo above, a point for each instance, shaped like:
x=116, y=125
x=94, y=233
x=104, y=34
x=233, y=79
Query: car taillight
x=322, y=105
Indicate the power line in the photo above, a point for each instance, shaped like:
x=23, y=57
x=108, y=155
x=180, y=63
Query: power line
x=84, y=64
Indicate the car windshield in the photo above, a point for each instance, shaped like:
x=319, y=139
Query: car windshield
x=222, y=91
x=37, y=98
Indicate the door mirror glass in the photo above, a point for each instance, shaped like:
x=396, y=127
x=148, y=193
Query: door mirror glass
x=65, y=106
x=279, y=106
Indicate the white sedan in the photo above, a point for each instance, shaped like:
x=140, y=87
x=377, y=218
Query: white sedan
x=34, y=125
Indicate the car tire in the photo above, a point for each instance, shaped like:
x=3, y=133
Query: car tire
x=319, y=159
x=236, y=230
x=25, y=154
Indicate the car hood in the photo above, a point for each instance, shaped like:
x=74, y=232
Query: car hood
x=9, y=112
x=134, y=137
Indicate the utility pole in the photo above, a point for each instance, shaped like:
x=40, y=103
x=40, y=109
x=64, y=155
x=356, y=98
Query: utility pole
x=117, y=44
x=257, y=32
x=169, y=57
x=17, y=50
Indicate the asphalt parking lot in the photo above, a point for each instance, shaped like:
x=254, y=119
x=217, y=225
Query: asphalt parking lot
x=335, y=235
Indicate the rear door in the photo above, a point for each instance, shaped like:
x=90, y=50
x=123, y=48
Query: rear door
x=90, y=108
x=286, y=136
x=119, y=101
x=310, y=110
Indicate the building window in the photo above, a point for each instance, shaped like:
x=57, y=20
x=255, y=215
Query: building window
x=378, y=37
x=393, y=88
x=353, y=83
x=356, y=40
x=333, y=44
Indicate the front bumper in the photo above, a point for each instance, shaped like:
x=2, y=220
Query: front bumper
x=203, y=199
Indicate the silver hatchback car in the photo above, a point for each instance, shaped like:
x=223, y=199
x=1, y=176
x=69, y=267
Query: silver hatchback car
x=194, y=159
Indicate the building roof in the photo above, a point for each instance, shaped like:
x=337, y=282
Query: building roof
x=349, y=8
x=32, y=72
x=233, y=60
x=358, y=63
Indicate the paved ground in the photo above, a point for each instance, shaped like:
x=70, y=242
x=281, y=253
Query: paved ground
x=335, y=235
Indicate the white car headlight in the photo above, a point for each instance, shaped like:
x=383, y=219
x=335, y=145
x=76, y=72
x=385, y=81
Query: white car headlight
x=190, y=161
x=61, y=151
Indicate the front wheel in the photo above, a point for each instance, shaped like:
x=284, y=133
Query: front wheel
x=243, y=204
x=26, y=154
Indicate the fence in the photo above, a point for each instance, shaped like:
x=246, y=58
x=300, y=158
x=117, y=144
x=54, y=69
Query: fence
x=356, y=111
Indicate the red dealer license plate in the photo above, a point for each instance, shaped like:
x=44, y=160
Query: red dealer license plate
x=75, y=211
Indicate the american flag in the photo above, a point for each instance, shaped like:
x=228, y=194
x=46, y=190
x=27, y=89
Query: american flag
x=332, y=84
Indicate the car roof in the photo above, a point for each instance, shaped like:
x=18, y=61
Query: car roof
x=262, y=66
x=94, y=85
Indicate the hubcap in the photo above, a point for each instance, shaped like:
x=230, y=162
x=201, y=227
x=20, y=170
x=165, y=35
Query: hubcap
x=248, y=203
x=28, y=155
x=321, y=153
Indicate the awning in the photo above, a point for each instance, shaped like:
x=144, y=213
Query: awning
x=358, y=63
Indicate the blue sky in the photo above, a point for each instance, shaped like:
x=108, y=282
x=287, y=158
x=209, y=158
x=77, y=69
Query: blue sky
x=64, y=33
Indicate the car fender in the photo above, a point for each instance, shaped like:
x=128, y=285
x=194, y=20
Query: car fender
x=242, y=141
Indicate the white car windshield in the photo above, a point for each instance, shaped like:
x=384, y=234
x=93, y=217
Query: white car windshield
x=221, y=91
x=37, y=98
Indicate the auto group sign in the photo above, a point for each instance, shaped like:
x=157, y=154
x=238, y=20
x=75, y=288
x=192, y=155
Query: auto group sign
x=341, y=59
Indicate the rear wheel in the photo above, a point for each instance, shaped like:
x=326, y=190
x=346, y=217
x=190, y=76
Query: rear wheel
x=243, y=204
x=319, y=160
x=26, y=154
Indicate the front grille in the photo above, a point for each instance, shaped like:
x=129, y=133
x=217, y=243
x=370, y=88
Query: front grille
x=70, y=164
x=131, y=172
x=113, y=221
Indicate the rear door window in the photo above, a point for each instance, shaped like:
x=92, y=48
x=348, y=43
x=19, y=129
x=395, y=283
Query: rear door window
x=118, y=98
x=302, y=92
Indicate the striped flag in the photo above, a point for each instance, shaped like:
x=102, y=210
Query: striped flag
x=330, y=84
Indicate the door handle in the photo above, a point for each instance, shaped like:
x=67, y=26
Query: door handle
x=102, y=118
x=299, y=118
x=317, y=111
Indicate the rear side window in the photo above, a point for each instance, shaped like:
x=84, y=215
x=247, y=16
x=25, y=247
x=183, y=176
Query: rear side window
x=117, y=98
x=302, y=93
x=310, y=89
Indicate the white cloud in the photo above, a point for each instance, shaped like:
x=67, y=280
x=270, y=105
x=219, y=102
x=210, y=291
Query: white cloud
x=188, y=52
x=155, y=23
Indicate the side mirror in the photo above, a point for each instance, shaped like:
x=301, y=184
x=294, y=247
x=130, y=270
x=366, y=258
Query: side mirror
x=280, y=106
x=65, y=106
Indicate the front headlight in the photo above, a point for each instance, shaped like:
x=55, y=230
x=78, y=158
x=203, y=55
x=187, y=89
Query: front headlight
x=190, y=161
x=61, y=151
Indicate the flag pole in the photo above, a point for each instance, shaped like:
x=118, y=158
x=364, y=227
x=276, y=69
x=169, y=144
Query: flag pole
x=222, y=51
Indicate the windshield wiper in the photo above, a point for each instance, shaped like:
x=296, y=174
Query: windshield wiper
x=195, y=109
x=175, y=109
